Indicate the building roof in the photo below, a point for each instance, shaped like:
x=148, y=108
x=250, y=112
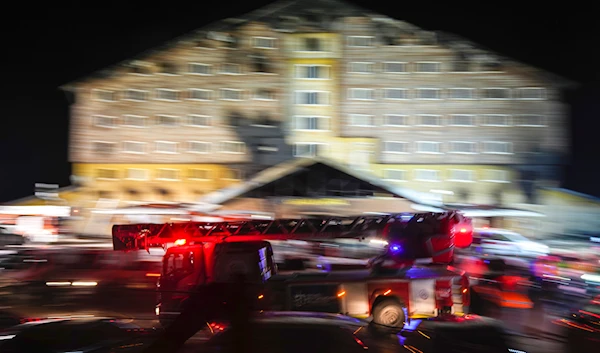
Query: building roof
x=487, y=211
x=296, y=165
x=332, y=8
x=40, y=200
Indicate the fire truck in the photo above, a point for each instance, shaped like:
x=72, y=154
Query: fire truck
x=413, y=278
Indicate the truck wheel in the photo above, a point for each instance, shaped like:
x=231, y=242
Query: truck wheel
x=389, y=312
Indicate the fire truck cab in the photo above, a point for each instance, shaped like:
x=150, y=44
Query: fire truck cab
x=185, y=267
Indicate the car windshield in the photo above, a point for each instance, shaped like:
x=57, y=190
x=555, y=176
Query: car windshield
x=514, y=236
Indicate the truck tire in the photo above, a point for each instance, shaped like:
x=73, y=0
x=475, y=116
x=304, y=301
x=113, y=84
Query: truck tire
x=389, y=312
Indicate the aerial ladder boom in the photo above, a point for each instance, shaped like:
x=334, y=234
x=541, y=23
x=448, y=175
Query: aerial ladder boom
x=410, y=236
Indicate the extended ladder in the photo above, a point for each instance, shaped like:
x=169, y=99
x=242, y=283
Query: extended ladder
x=144, y=236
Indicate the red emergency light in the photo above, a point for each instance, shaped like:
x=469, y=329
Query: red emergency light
x=463, y=235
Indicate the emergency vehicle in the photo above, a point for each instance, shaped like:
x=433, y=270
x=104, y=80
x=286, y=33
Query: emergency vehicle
x=413, y=278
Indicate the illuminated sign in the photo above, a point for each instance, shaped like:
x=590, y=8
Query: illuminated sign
x=315, y=202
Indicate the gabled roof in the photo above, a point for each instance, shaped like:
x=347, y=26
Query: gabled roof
x=295, y=165
x=334, y=8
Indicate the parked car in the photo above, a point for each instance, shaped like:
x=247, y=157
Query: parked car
x=505, y=242
x=9, y=237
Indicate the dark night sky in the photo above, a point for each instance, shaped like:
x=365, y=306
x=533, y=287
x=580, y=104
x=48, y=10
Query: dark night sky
x=47, y=45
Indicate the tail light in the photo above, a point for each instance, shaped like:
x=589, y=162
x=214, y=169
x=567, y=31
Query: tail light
x=216, y=327
x=360, y=342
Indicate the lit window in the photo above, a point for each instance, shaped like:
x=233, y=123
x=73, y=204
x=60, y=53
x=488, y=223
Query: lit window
x=463, y=147
x=496, y=120
x=394, y=67
x=318, y=98
x=360, y=41
x=167, y=120
x=362, y=120
x=233, y=174
x=395, y=147
x=462, y=120
x=134, y=120
x=533, y=120
x=199, y=120
x=104, y=121
x=428, y=147
x=496, y=93
x=461, y=93
x=362, y=94
x=231, y=69
x=264, y=42
x=308, y=149
x=167, y=174
x=429, y=67
x=427, y=175
x=430, y=120
x=531, y=93
x=134, y=147
x=360, y=68
x=199, y=147
x=200, y=94
x=199, y=174
x=395, y=93
x=429, y=93
x=167, y=94
x=461, y=175
x=105, y=95
x=394, y=174
x=104, y=173
x=496, y=176
x=104, y=147
x=312, y=71
x=311, y=123
x=136, y=95
x=166, y=147
x=233, y=147
x=137, y=174
x=199, y=69
x=497, y=147
x=396, y=120
x=231, y=94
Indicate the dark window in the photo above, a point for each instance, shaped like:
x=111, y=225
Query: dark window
x=168, y=68
x=312, y=44
x=260, y=64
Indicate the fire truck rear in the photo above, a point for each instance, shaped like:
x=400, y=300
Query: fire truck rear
x=411, y=279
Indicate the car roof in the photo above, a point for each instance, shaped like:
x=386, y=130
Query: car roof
x=495, y=230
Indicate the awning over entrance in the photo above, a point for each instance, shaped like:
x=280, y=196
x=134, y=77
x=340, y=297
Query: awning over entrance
x=314, y=178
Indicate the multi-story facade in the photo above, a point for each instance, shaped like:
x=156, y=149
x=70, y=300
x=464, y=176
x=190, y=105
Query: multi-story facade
x=424, y=110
